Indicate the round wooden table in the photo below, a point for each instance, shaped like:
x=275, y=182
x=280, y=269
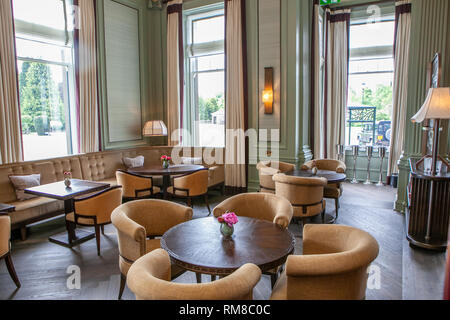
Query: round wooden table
x=331, y=176
x=198, y=246
x=173, y=170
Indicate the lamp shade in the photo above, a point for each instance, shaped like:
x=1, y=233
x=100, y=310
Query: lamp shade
x=155, y=128
x=436, y=106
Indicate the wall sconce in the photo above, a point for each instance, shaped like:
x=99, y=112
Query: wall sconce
x=267, y=95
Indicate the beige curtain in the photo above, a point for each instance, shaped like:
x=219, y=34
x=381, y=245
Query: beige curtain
x=87, y=77
x=336, y=80
x=235, y=151
x=318, y=83
x=174, y=89
x=403, y=36
x=10, y=131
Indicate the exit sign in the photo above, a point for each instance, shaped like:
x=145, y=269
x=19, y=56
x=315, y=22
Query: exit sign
x=326, y=2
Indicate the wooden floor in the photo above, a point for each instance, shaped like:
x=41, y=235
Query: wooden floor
x=405, y=273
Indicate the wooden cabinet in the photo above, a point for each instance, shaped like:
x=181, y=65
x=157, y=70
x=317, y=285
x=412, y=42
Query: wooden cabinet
x=429, y=208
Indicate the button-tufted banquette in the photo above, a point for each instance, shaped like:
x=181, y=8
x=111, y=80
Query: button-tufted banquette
x=99, y=166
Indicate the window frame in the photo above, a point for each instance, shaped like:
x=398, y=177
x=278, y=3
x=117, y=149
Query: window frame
x=191, y=115
x=61, y=39
x=367, y=54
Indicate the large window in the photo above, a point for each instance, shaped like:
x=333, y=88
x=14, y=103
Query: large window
x=205, y=83
x=46, y=77
x=371, y=71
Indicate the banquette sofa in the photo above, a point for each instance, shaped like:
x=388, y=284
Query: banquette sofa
x=99, y=166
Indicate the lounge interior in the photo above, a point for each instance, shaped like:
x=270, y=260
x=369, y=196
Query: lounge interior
x=224, y=150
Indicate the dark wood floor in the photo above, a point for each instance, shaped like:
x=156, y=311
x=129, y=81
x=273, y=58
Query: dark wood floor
x=405, y=273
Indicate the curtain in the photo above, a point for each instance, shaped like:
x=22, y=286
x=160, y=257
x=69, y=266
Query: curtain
x=317, y=77
x=86, y=78
x=336, y=80
x=236, y=112
x=402, y=40
x=175, y=72
x=10, y=124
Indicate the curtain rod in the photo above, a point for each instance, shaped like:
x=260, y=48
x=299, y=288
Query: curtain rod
x=360, y=4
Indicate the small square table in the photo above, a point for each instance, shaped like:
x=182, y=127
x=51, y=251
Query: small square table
x=59, y=191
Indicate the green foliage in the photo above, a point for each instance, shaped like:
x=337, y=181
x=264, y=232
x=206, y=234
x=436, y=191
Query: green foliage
x=40, y=99
x=41, y=125
x=382, y=99
x=209, y=106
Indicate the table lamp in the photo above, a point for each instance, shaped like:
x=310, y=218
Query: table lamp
x=155, y=128
x=437, y=108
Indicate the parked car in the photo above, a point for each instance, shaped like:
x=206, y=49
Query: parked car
x=384, y=133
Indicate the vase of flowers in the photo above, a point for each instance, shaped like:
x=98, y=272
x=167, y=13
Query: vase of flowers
x=67, y=178
x=165, y=161
x=227, y=222
x=314, y=168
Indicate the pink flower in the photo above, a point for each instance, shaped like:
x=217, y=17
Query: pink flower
x=165, y=158
x=229, y=218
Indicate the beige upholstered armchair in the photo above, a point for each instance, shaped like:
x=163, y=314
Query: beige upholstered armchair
x=5, y=251
x=149, y=279
x=95, y=210
x=139, y=225
x=262, y=206
x=267, y=169
x=332, y=190
x=191, y=186
x=333, y=265
x=136, y=186
x=304, y=194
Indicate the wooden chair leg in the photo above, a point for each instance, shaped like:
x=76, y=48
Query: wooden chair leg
x=273, y=279
x=123, y=280
x=97, y=238
x=337, y=205
x=213, y=278
x=223, y=189
x=11, y=270
x=199, y=277
x=189, y=202
x=103, y=229
x=23, y=233
x=207, y=204
x=323, y=216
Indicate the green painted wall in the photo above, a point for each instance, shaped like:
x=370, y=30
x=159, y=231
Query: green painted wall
x=429, y=34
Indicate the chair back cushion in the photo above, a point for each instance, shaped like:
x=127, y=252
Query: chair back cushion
x=100, y=205
x=5, y=233
x=149, y=279
x=298, y=190
x=333, y=265
x=262, y=206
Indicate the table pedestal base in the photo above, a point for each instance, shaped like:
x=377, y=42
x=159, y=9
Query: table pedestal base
x=81, y=237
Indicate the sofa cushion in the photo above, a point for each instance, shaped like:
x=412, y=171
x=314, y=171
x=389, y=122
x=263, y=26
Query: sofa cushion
x=34, y=208
x=23, y=182
x=134, y=162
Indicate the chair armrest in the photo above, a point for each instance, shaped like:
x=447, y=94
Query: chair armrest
x=307, y=166
x=284, y=215
x=341, y=168
x=128, y=226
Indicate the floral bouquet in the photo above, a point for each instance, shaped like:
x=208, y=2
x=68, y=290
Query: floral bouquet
x=227, y=222
x=165, y=161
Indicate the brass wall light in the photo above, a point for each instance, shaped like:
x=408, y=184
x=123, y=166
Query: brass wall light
x=267, y=95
